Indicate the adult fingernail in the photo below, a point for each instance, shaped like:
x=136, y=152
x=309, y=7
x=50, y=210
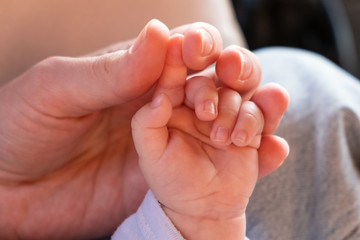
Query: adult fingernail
x=140, y=38
x=222, y=134
x=207, y=42
x=246, y=66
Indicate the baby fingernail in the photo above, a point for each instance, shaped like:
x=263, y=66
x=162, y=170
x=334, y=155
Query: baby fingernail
x=207, y=42
x=209, y=107
x=156, y=102
x=241, y=137
x=246, y=66
x=222, y=134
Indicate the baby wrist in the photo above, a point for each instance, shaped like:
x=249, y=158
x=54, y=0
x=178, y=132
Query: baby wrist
x=199, y=228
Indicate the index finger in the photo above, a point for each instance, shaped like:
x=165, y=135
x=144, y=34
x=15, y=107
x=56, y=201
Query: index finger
x=239, y=69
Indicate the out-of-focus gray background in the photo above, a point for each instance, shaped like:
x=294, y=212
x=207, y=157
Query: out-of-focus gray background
x=329, y=27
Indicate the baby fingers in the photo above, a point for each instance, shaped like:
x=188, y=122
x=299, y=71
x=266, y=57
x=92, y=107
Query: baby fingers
x=234, y=121
x=201, y=95
x=240, y=123
x=239, y=69
x=249, y=125
x=202, y=45
x=228, y=112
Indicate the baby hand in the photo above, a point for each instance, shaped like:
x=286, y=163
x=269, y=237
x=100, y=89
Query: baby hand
x=202, y=165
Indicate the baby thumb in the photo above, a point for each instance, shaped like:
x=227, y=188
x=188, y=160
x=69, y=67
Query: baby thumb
x=149, y=128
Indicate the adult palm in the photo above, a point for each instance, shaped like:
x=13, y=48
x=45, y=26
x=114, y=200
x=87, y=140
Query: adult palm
x=68, y=168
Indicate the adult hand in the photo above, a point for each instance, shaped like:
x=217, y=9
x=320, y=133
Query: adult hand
x=68, y=167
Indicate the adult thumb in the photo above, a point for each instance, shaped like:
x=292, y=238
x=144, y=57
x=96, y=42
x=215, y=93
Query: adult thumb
x=74, y=87
x=149, y=128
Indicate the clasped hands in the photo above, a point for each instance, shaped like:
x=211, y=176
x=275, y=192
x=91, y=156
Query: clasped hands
x=68, y=164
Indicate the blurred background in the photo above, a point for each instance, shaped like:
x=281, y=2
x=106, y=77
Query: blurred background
x=328, y=27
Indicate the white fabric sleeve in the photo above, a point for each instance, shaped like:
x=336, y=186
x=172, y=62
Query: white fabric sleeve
x=148, y=223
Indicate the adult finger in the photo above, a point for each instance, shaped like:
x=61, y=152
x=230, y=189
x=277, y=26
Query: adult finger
x=202, y=45
x=239, y=69
x=73, y=87
x=173, y=77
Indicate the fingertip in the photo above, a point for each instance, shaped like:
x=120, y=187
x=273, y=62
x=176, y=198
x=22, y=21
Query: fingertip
x=283, y=150
x=239, y=69
x=202, y=95
x=228, y=112
x=174, y=73
x=207, y=42
x=249, y=125
x=143, y=63
x=206, y=111
x=272, y=153
x=284, y=146
x=161, y=100
x=273, y=100
x=174, y=52
x=156, y=28
x=240, y=138
x=154, y=114
x=220, y=135
x=202, y=45
x=282, y=93
x=157, y=101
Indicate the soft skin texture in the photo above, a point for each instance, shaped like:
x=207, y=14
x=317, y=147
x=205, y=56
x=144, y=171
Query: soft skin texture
x=202, y=172
x=66, y=144
x=66, y=135
x=36, y=29
x=101, y=173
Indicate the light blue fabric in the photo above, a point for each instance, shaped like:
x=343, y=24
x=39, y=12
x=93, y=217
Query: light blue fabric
x=316, y=193
x=148, y=223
